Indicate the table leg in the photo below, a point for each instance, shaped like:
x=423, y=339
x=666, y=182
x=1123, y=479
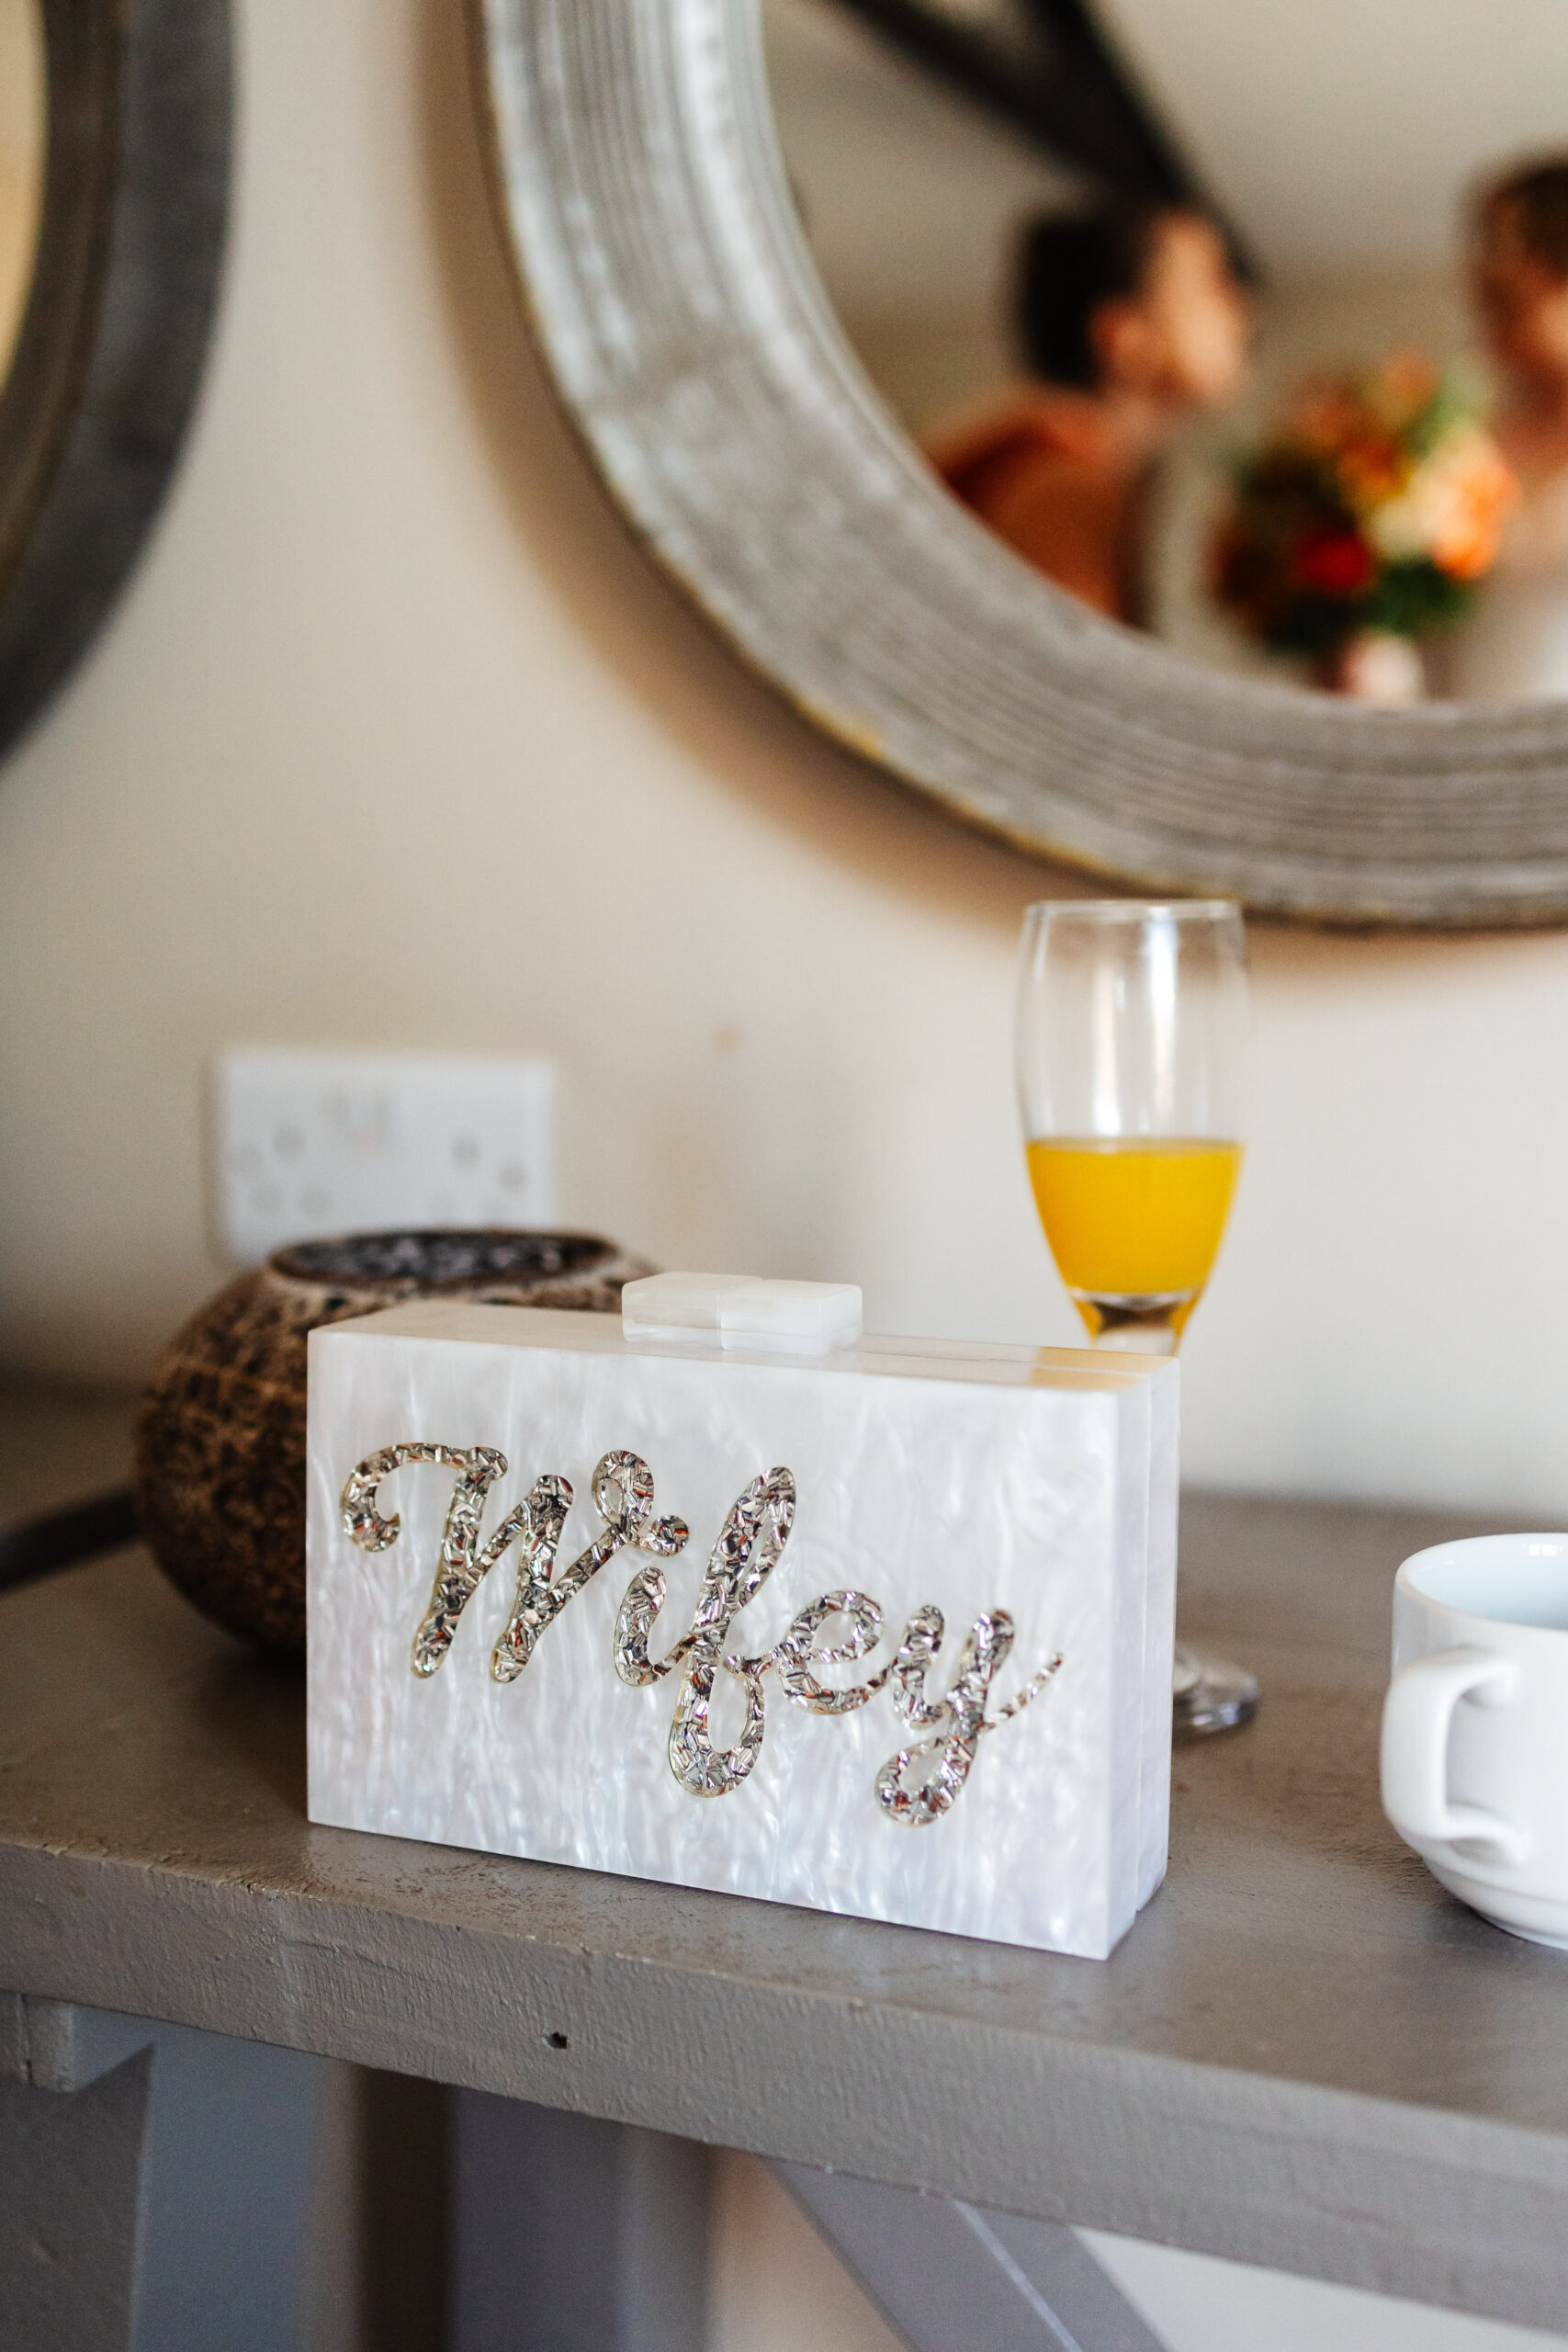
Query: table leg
x=950, y=2276
x=155, y=2185
x=570, y=2234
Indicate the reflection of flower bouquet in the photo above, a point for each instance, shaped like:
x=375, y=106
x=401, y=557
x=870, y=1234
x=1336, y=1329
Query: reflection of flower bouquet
x=1375, y=507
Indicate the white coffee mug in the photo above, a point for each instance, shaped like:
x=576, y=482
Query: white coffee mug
x=1475, y=1725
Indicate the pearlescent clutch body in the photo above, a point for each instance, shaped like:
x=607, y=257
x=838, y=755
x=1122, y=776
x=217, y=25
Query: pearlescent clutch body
x=887, y=1631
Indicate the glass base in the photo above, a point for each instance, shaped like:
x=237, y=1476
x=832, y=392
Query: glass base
x=1210, y=1694
x=1144, y=1323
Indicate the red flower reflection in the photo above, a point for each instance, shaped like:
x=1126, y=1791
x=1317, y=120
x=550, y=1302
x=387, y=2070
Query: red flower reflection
x=1334, y=563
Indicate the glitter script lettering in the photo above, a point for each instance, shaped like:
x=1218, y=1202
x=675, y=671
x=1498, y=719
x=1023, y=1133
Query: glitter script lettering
x=914, y=1788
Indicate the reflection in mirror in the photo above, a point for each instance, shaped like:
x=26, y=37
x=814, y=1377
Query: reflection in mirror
x=22, y=134
x=1247, y=324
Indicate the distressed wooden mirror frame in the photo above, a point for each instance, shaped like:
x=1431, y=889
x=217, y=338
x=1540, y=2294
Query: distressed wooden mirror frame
x=669, y=286
x=109, y=352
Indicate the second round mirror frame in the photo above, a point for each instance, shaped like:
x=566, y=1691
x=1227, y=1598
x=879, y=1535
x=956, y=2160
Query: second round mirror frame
x=669, y=285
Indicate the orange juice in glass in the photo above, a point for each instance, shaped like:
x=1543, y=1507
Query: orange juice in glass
x=1132, y=1036
x=1134, y=1222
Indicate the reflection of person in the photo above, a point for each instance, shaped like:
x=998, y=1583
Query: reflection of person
x=1516, y=640
x=1132, y=318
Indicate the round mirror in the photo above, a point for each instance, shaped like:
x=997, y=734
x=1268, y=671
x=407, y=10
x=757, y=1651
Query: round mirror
x=1246, y=325
x=114, y=152
x=1256, y=317
x=22, y=133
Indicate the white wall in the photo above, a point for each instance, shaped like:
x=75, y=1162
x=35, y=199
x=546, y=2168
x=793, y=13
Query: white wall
x=396, y=739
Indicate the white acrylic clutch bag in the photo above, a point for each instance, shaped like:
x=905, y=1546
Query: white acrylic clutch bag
x=733, y=1598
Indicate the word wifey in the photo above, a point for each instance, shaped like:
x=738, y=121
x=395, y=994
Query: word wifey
x=914, y=1787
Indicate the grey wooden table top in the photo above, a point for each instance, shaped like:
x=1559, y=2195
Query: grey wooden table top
x=1304, y=2055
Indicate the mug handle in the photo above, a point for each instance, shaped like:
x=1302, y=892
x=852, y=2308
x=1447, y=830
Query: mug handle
x=1415, y=1718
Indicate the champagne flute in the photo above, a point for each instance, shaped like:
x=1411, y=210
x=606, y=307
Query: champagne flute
x=1132, y=1038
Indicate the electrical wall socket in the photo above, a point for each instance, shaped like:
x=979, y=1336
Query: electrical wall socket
x=308, y=1143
